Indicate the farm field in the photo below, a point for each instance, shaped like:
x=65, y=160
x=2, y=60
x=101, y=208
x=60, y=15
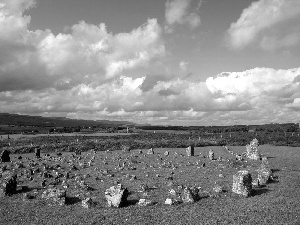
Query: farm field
x=95, y=134
x=274, y=203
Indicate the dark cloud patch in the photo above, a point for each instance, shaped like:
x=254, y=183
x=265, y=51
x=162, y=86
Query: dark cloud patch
x=167, y=92
x=151, y=81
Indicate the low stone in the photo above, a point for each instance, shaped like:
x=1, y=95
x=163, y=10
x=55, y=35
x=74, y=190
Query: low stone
x=150, y=151
x=116, y=196
x=242, y=183
x=144, y=202
x=27, y=197
x=55, y=196
x=170, y=201
x=189, y=196
x=87, y=203
x=125, y=148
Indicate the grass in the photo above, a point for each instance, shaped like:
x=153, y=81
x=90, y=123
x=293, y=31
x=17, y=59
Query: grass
x=276, y=203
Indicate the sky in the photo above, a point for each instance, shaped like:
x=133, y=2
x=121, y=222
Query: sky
x=162, y=62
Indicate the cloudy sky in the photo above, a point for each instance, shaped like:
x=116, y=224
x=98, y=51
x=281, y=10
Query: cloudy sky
x=169, y=62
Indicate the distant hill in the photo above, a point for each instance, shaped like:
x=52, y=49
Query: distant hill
x=26, y=120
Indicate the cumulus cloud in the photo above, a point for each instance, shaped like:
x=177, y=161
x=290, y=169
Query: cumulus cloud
x=87, y=54
x=261, y=17
x=262, y=95
x=183, y=65
x=178, y=12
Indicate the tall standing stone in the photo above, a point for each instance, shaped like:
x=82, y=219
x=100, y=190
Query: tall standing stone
x=242, y=183
x=190, y=151
x=211, y=155
x=5, y=156
x=252, y=150
x=264, y=172
x=8, y=184
x=37, y=152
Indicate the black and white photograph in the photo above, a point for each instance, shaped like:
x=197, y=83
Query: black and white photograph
x=150, y=112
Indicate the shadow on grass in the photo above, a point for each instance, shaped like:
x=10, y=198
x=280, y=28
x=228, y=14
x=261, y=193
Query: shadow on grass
x=275, y=170
x=259, y=191
x=72, y=200
x=130, y=202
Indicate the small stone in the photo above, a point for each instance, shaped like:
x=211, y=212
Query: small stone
x=144, y=202
x=87, y=203
x=150, y=151
x=166, y=153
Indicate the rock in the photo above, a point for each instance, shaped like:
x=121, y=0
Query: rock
x=190, y=151
x=37, y=152
x=125, y=148
x=218, y=189
x=211, y=155
x=27, y=197
x=144, y=202
x=264, y=172
x=87, y=203
x=252, y=151
x=5, y=156
x=55, y=196
x=116, y=196
x=150, y=151
x=166, y=153
x=242, y=183
x=8, y=184
x=189, y=196
x=170, y=201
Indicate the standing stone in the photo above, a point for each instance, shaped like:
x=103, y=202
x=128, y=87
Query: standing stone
x=125, y=148
x=55, y=196
x=211, y=155
x=116, y=196
x=252, y=150
x=189, y=196
x=8, y=184
x=5, y=156
x=37, y=152
x=150, y=151
x=264, y=172
x=190, y=151
x=242, y=183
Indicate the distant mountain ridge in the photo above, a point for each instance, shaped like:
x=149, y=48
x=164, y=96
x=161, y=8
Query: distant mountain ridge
x=27, y=120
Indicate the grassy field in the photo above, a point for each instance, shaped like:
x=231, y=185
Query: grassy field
x=275, y=203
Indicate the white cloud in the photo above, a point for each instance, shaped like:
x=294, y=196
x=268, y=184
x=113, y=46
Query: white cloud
x=87, y=54
x=260, y=95
x=183, y=65
x=178, y=12
x=260, y=17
